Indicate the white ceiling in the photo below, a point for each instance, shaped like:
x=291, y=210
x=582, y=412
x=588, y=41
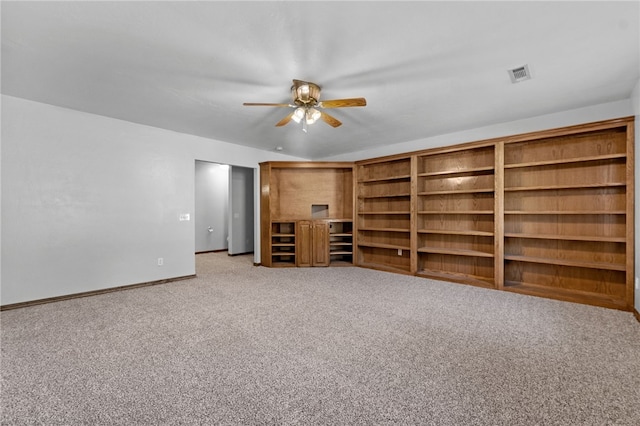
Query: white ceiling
x=426, y=68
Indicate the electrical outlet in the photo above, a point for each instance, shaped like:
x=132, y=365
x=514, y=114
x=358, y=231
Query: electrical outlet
x=637, y=283
x=399, y=252
x=160, y=261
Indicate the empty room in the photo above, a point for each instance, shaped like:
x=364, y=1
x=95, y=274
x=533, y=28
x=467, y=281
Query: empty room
x=319, y=213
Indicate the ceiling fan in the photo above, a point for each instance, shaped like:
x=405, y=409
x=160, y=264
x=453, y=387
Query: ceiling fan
x=306, y=102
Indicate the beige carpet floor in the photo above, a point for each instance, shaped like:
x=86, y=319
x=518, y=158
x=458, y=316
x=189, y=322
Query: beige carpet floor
x=246, y=345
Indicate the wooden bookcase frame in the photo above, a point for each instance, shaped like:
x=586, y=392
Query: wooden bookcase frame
x=467, y=213
x=314, y=202
x=548, y=213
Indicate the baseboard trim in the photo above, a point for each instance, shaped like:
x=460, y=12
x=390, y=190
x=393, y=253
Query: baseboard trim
x=257, y=264
x=212, y=251
x=240, y=254
x=92, y=293
x=636, y=314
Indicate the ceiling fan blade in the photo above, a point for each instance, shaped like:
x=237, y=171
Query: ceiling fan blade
x=331, y=121
x=263, y=104
x=341, y=103
x=285, y=120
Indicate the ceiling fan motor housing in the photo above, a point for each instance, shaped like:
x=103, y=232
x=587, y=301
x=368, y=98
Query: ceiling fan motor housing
x=305, y=93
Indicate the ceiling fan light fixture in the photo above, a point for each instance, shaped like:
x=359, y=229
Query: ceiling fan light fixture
x=312, y=115
x=298, y=114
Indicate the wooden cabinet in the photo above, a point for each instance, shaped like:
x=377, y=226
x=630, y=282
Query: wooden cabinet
x=312, y=200
x=384, y=214
x=313, y=243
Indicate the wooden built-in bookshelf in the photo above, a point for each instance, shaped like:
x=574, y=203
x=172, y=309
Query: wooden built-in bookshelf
x=546, y=213
x=567, y=218
x=306, y=213
x=384, y=214
x=455, y=224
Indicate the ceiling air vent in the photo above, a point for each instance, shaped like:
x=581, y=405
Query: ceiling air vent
x=520, y=74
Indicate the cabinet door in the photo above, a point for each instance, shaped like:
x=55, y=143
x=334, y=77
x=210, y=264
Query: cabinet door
x=320, y=243
x=304, y=239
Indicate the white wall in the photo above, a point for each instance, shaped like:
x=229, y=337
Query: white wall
x=241, y=217
x=211, y=215
x=90, y=202
x=635, y=99
x=567, y=118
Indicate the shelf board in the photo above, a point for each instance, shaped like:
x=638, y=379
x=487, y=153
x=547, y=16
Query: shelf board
x=458, y=277
x=384, y=246
x=342, y=252
x=340, y=263
x=576, y=212
x=406, y=212
x=567, y=262
x=566, y=161
x=341, y=234
x=340, y=243
x=554, y=187
x=283, y=235
x=567, y=237
x=450, y=232
x=457, y=172
x=457, y=191
x=568, y=295
x=386, y=178
x=364, y=197
x=283, y=253
x=455, y=212
x=454, y=251
x=384, y=229
x=283, y=245
x=283, y=264
x=386, y=267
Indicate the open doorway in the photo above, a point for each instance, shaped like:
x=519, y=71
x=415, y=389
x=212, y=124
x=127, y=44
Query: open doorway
x=224, y=208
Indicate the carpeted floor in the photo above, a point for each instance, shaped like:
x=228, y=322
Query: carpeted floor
x=245, y=345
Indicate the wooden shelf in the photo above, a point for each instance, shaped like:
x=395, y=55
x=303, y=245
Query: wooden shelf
x=565, y=161
x=567, y=262
x=283, y=264
x=384, y=229
x=455, y=212
x=384, y=246
x=386, y=212
x=567, y=212
x=457, y=191
x=385, y=179
x=364, y=197
x=457, y=172
x=569, y=295
x=476, y=280
x=453, y=251
x=566, y=237
x=332, y=252
x=573, y=186
x=452, y=232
